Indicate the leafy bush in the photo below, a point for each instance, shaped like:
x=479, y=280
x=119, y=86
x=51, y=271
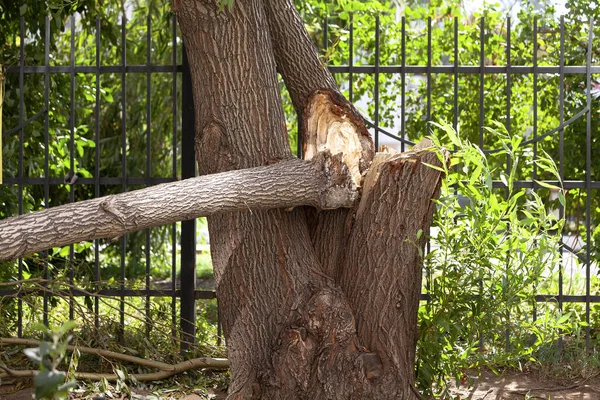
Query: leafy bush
x=50, y=382
x=490, y=250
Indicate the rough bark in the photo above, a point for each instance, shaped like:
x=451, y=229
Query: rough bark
x=324, y=183
x=382, y=272
x=290, y=329
x=296, y=56
x=330, y=123
x=264, y=264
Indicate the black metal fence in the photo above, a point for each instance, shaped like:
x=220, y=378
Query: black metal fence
x=187, y=257
x=187, y=292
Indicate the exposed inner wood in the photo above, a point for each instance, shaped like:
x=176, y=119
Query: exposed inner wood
x=331, y=122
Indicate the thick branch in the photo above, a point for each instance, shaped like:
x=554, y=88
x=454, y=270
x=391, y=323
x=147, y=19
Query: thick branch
x=324, y=183
x=295, y=54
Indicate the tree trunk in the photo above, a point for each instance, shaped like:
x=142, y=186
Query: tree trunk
x=302, y=322
x=316, y=303
x=325, y=184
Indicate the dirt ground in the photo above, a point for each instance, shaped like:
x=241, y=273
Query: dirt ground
x=14, y=392
x=508, y=386
x=519, y=386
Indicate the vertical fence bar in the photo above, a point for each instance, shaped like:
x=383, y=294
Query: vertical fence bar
x=46, y=151
x=508, y=79
x=535, y=84
x=376, y=94
x=561, y=164
x=588, y=184
x=21, y=146
x=481, y=119
x=72, y=156
x=508, y=166
x=455, y=87
x=188, y=228
x=429, y=272
x=428, y=111
x=351, y=59
x=148, y=159
x=535, y=96
x=123, y=166
x=97, y=175
x=403, y=87
x=219, y=332
x=481, y=80
x=325, y=34
x=174, y=172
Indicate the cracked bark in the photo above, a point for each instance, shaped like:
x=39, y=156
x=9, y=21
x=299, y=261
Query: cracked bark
x=290, y=328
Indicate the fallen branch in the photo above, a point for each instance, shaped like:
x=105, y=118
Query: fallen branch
x=324, y=183
x=166, y=370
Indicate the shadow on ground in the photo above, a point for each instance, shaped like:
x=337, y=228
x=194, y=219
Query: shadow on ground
x=518, y=386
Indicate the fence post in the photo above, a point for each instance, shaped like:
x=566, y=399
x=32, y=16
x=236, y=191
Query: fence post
x=188, y=228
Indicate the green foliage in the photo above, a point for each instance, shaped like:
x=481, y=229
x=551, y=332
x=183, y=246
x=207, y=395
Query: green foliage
x=86, y=139
x=491, y=251
x=443, y=14
x=49, y=382
x=226, y=4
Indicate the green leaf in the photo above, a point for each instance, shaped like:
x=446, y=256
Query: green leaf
x=546, y=185
x=561, y=198
x=33, y=354
x=23, y=9
x=46, y=383
x=66, y=327
x=120, y=374
x=67, y=386
x=433, y=167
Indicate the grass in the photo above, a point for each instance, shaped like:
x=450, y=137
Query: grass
x=204, y=268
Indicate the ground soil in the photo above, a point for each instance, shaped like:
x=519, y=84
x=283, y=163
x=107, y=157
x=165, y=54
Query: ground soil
x=12, y=392
x=518, y=386
x=507, y=386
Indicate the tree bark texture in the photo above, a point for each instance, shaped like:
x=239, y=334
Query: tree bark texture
x=309, y=82
x=290, y=307
x=264, y=264
x=325, y=183
x=296, y=56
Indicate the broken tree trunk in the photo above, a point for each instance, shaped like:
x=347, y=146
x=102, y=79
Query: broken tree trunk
x=382, y=269
x=290, y=329
x=324, y=183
